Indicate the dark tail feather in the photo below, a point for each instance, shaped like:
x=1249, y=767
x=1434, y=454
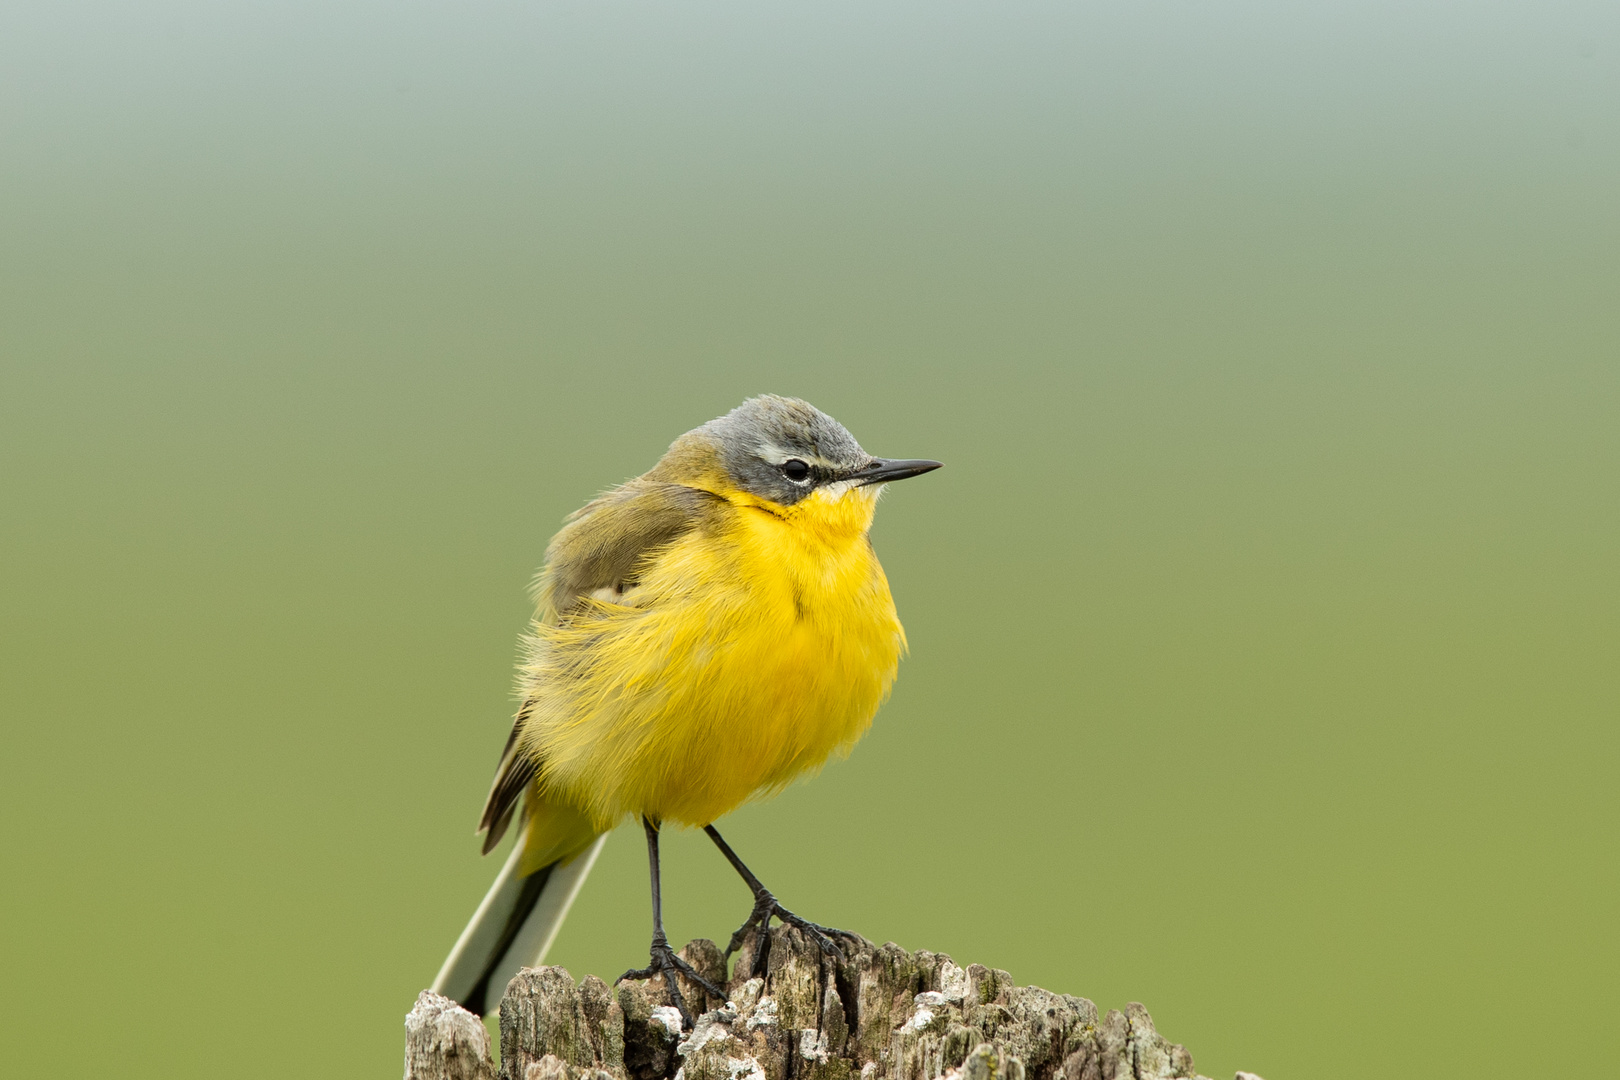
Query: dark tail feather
x=513, y=927
x=527, y=897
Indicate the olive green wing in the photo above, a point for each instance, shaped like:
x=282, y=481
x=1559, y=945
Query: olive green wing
x=603, y=546
x=598, y=553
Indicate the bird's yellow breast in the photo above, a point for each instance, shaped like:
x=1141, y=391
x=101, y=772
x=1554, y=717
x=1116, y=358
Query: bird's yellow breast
x=746, y=654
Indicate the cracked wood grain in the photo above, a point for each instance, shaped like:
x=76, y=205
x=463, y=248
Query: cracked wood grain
x=877, y=1013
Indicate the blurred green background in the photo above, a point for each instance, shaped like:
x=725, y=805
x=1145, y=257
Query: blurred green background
x=1264, y=622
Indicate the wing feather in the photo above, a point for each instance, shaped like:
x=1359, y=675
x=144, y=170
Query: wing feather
x=600, y=552
x=604, y=544
x=511, y=777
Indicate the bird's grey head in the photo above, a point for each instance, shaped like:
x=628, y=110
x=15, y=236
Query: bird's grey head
x=783, y=448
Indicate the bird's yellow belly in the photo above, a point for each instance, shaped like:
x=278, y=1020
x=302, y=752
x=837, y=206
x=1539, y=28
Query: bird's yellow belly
x=775, y=696
x=750, y=663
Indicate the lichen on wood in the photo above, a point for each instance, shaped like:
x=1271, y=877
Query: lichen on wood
x=793, y=1012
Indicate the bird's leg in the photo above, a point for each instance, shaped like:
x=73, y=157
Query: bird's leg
x=665, y=962
x=766, y=905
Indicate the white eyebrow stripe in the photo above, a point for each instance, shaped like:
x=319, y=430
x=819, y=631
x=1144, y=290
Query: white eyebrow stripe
x=778, y=456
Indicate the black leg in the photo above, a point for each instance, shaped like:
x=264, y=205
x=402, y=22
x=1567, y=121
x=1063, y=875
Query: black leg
x=765, y=906
x=664, y=960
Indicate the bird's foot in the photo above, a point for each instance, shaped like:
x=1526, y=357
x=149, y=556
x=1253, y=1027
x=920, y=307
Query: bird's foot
x=765, y=907
x=668, y=963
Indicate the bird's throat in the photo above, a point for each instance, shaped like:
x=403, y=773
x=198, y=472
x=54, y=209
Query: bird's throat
x=832, y=516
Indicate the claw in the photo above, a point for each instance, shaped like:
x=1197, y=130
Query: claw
x=766, y=907
x=668, y=963
x=760, y=917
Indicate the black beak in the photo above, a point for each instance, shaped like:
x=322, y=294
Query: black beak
x=882, y=470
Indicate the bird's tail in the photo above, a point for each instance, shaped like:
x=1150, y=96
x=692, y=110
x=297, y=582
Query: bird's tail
x=516, y=923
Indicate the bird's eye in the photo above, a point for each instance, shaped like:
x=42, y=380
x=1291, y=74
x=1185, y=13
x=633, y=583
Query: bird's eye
x=796, y=470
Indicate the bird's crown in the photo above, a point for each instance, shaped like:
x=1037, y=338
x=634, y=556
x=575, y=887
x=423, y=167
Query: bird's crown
x=781, y=449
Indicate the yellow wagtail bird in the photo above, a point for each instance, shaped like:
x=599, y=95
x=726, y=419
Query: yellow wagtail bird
x=704, y=634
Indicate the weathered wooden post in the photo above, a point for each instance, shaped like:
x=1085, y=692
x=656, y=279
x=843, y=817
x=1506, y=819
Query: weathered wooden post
x=793, y=1013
